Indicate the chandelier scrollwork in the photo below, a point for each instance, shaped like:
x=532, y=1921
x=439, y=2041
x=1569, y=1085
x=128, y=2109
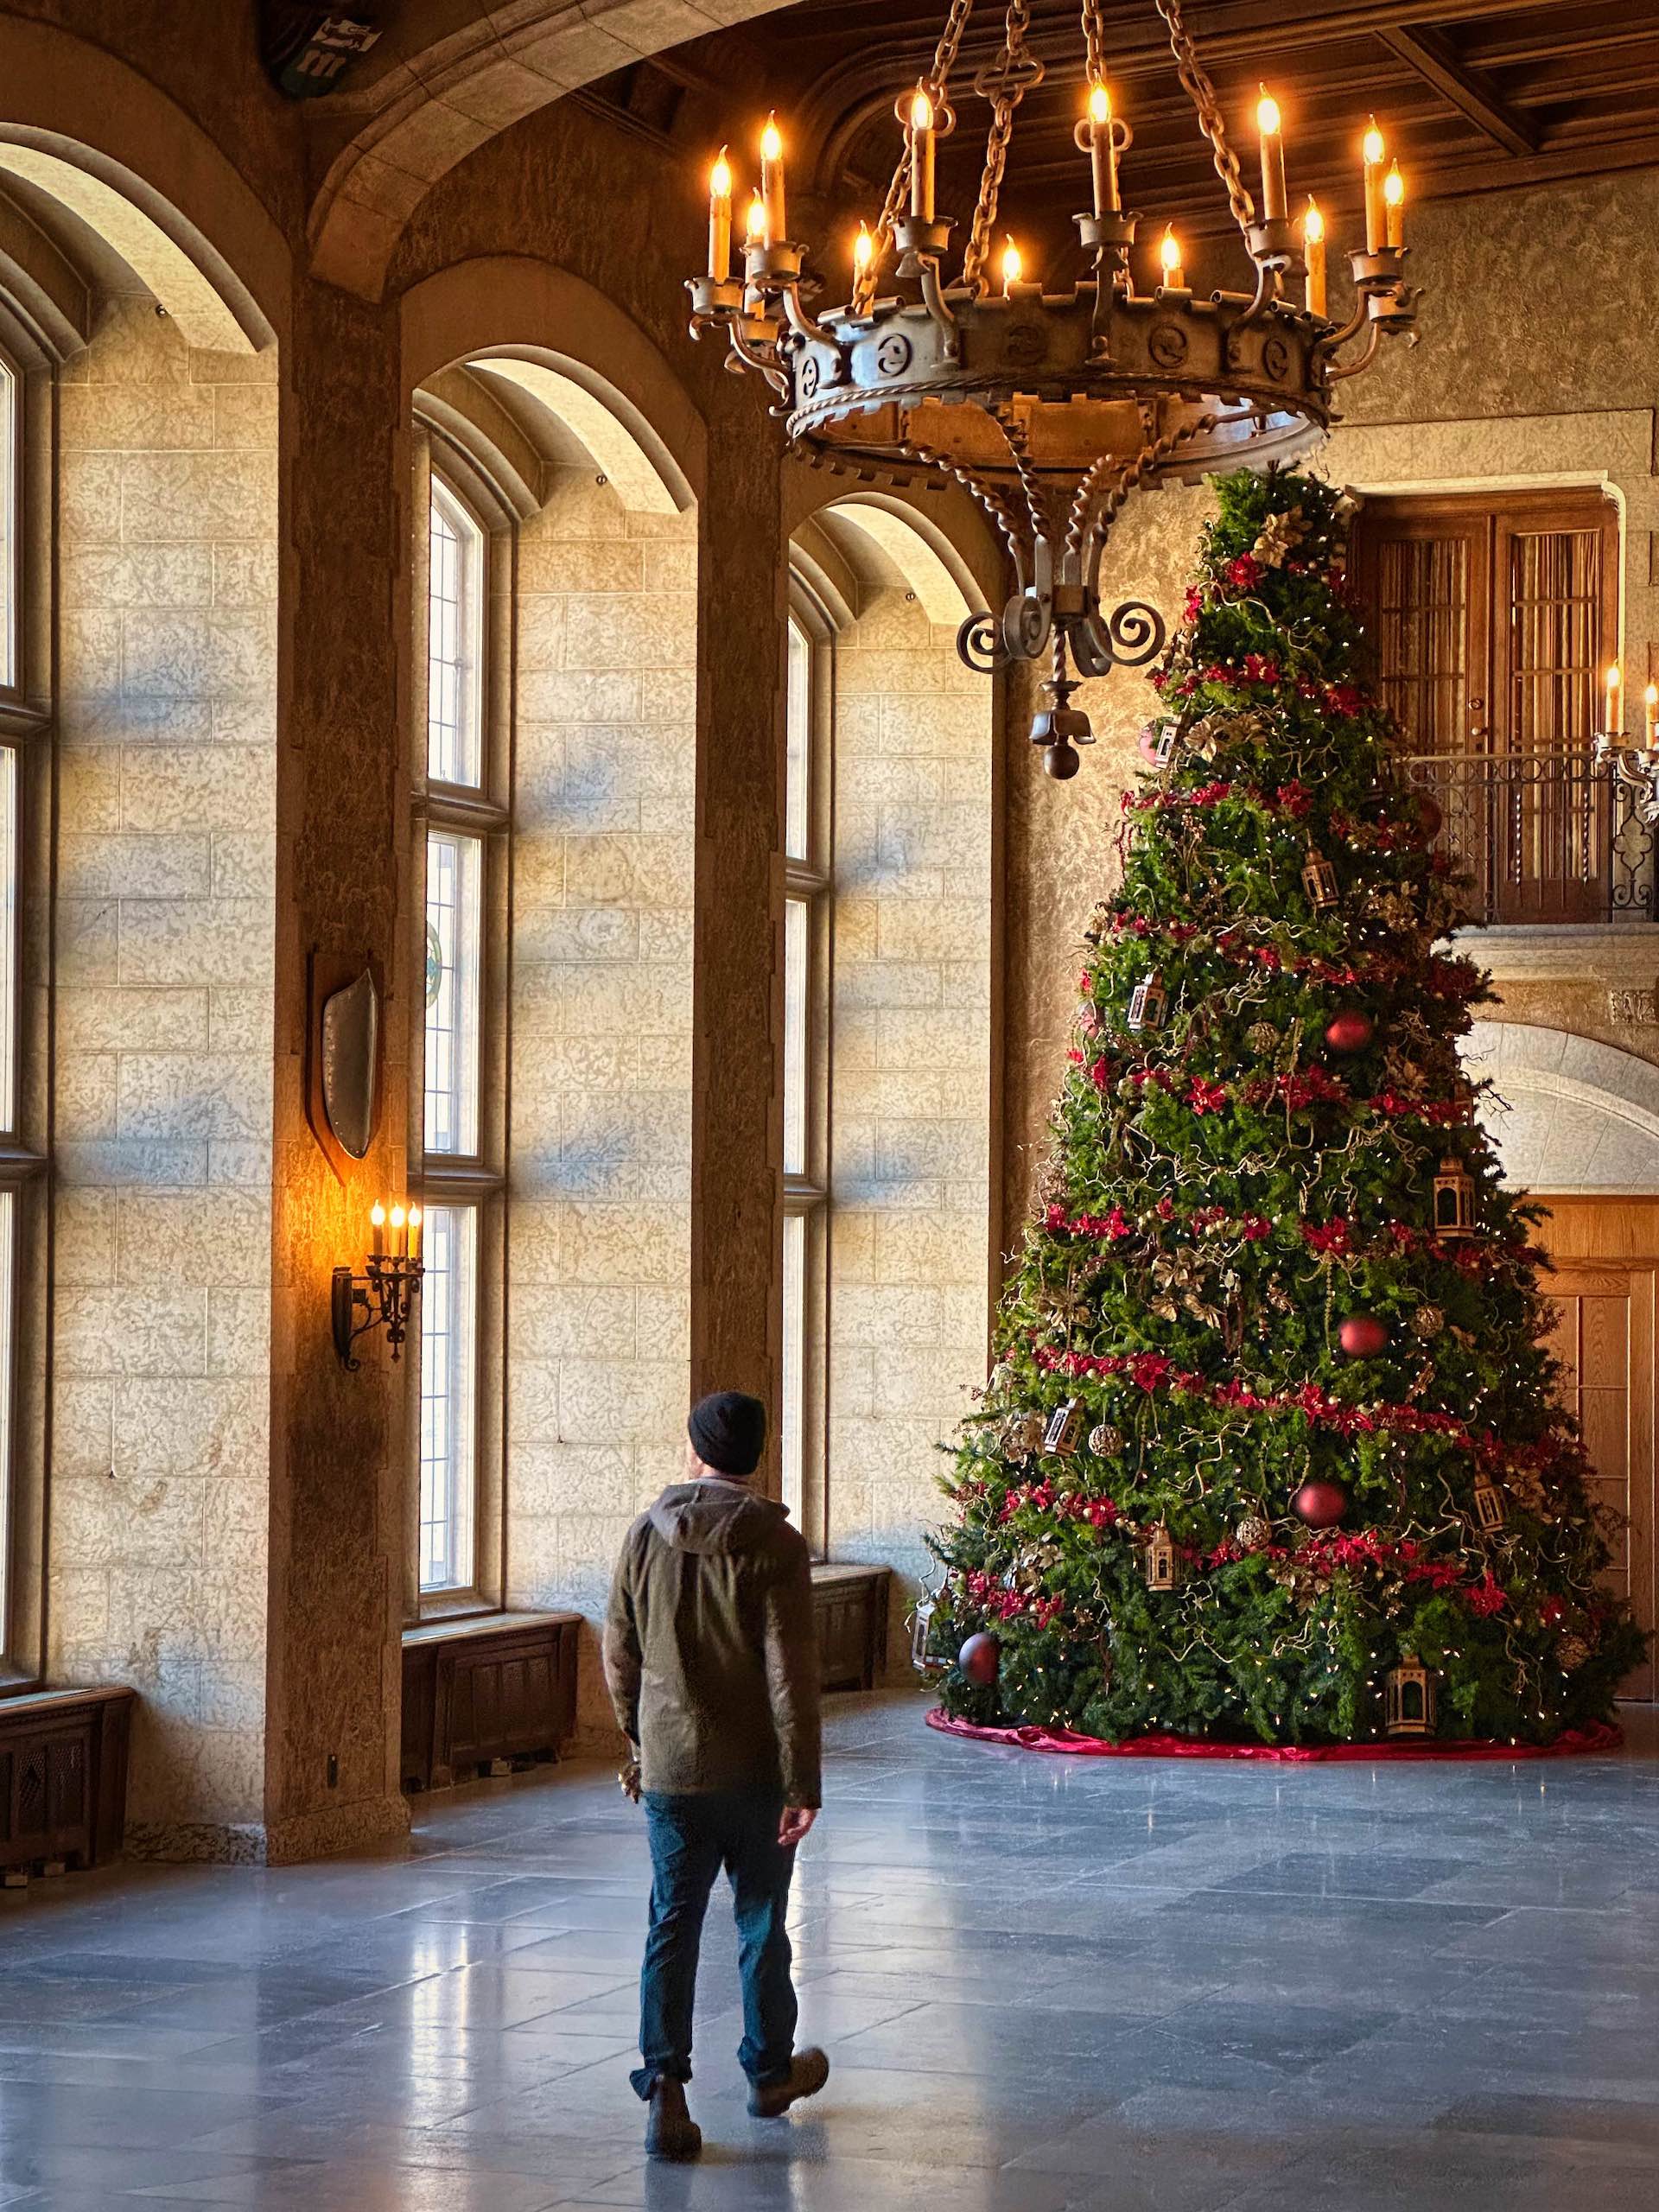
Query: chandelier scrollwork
x=1053, y=408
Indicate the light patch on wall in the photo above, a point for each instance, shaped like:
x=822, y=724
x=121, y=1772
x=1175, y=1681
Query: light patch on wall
x=634, y=476
x=938, y=593
x=160, y=264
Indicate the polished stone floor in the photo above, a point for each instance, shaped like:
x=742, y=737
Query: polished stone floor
x=1043, y=1984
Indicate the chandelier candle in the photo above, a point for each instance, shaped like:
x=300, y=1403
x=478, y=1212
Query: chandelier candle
x=720, y=219
x=1274, y=206
x=774, y=230
x=1011, y=267
x=1394, y=207
x=921, y=143
x=1376, y=215
x=1169, y=253
x=1103, y=150
x=863, y=250
x=1313, y=257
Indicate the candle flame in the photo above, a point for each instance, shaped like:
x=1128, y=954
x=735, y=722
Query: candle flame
x=1374, y=148
x=1012, y=265
x=1169, y=250
x=921, y=110
x=772, y=140
x=863, y=248
x=757, y=220
x=414, y=1216
x=397, y=1216
x=1394, y=188
x=1267, y=118
x=1614, y=679
x=1312, y=222
x=378, y=1215
x=1651, y=695
x=1100, y=104
x=720, y=177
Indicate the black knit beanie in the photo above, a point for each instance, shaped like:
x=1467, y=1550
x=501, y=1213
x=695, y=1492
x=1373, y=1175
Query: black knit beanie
x=727, y=1431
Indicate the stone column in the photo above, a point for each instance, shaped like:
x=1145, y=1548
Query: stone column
x=338, y=1490
x=736, y=1211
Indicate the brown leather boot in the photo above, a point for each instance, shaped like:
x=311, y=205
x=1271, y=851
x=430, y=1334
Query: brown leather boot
x=808, y=2072
x=671, y=2131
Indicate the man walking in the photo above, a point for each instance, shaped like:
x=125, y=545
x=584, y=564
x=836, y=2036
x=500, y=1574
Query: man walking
x=711, y=1665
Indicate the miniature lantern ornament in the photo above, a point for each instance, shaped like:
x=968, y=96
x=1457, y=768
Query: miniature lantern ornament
x=1319, y=881
x=1064, y=1430
x=1148, y=1003
x=1160, y=1560
x=1454, y=1200
x=922, y=1657
x=1408, y=1698
x=1489, y=1504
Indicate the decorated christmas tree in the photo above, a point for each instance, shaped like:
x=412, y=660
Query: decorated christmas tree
x=1270, y=1449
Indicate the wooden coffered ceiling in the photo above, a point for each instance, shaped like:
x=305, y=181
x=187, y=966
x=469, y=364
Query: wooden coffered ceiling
x=1475, y=96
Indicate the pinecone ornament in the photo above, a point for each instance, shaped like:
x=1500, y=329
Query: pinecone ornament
x=1261, y=1038
x=1572, y=1652
x=1427, y=1322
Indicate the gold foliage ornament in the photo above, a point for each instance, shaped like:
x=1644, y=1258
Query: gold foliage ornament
x=1024, y=1435
x=1280, y=535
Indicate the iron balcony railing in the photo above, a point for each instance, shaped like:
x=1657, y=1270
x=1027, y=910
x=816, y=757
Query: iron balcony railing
x=1544, y=837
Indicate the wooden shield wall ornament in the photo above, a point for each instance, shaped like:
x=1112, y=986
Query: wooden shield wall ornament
x=345, y=1039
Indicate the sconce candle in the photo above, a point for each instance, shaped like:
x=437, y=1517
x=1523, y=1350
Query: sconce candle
x=383, y=1297
x=1270, y=123
x=399, y=1249
x=1615, y=696
x=720, y=219
x=1377, y=216
x=1313, y=257
x=416, y=1227
x=1651, y=701
x=377, y=1229
x=771, y=183
x=921, y=143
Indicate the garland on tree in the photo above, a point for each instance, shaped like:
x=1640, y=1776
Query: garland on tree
x=1271, y=1427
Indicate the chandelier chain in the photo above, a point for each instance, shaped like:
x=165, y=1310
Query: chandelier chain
x=1202, y=93
x=1006, y=82
x=1094, y=39
x=938, y=80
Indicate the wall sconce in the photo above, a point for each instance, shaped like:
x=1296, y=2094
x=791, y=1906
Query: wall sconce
x=385, y=1295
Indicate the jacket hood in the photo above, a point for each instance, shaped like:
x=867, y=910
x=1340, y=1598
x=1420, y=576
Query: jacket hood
x=712, y=1516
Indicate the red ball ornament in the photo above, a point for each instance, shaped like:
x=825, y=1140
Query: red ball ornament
x=1362, y=1336
x=1349, y=1032
x=979, y=1659
x=1321, y=1502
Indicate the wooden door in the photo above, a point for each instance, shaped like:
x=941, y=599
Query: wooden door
x=1606, y=1297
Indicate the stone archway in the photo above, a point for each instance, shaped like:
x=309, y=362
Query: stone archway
x=1569, y=1115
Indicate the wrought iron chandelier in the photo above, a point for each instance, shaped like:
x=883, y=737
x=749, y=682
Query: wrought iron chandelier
x=1051, y=408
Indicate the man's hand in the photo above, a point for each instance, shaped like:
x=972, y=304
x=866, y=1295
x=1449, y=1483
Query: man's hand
x=796, y=1825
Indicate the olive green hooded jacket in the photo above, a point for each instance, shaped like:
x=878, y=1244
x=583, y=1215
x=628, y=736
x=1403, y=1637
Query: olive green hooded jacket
x=710, y=1652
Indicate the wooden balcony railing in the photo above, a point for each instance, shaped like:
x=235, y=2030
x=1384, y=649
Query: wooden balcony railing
x=1545, y=838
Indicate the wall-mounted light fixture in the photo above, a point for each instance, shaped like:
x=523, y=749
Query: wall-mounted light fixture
x=385, y=1295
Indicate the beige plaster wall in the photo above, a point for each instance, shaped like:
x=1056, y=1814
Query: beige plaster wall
x=163, y=1126
x=909, y=1072
x=600, y=1170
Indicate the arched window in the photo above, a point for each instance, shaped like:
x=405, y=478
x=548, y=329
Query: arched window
x=460, y=1174
x=806, y=952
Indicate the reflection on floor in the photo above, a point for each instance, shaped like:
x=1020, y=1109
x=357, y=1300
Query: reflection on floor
x=1043, y=1984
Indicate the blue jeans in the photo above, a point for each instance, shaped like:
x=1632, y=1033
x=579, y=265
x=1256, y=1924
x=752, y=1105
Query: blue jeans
x=691, y=1839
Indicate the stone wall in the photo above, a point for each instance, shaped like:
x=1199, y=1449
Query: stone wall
x=599, y=1211
x=909, y=1072
x=162, y=1123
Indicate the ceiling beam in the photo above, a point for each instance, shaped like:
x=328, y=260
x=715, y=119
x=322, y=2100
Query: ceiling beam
x=1435, y=60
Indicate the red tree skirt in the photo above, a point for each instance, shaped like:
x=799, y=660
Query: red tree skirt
x=1599, y=1735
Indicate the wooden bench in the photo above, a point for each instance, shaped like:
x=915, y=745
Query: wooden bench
x=63, y=1778
x=487, y=1691
x=850, y=1604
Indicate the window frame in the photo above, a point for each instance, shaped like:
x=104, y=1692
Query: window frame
x=26, y=728
x=475, y=1181
x=808, y=886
